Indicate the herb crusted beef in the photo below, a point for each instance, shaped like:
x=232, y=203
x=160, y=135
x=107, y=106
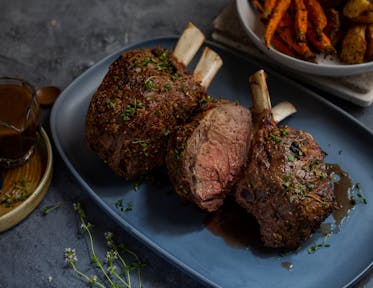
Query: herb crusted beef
x=144, y=95
x=285, y=184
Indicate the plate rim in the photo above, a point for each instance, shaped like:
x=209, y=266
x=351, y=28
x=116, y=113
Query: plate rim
x=302, y=66
x=122, y=222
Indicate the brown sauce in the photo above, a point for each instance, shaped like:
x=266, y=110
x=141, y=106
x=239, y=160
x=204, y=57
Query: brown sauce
x=235, y=226
x=287, y=265
x=15, y=103
x=342, y=191
x=239, y=229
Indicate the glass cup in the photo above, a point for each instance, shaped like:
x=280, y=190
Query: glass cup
x=19, y=113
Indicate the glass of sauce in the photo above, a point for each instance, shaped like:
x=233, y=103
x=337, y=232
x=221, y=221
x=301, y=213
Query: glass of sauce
x=19, y=111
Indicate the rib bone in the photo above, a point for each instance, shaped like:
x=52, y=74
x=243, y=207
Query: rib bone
x=207, y=67
x=262, y=102
x=283, y=110
x=259, y=92
x=188, y=44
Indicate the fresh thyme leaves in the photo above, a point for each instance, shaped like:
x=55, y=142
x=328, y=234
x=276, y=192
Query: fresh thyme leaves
x=48, y=209
x=21, y=190
x=117, y=268
x=21, y=185
x=123, y=208
x=312, y=249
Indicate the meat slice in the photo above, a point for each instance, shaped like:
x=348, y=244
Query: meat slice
x=144, y=95
x=285, y=184
x=205, y=155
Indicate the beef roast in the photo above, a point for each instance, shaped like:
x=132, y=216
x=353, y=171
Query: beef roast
x=285, y=184
x=144, y=95
x=206, y=155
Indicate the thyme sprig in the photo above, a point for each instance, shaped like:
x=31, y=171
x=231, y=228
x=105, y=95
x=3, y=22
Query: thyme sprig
x=48, y=209
x=115, y=268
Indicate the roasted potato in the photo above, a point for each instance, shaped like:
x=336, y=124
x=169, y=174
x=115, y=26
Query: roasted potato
x=366, y=18
x=354, y=45
x=355, y=8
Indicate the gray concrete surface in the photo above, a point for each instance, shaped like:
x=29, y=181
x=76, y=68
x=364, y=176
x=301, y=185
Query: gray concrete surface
x=51, y=43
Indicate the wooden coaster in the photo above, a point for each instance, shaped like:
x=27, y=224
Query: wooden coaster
x=24, y=187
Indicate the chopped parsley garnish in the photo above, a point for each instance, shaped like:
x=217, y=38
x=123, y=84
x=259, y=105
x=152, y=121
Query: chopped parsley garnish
x=148, y=60
x=142, y=143
x=166, y=88
x=174, y=77
x=298, y=190
x=119, y=205
x=131, y=110
x=274, y=137
x=291, y=157
x=205, y=100
x=167, y=132
x=310, y=186
x=322, y=175
x=283, y=132
x=179, y=150
x=110, y=103
x=163, y=56
x=149, y=84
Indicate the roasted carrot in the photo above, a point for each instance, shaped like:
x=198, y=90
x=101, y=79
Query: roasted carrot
x=281, y=46
x=285, y=32
x=278, y=12
x=317, y=16
x=333, y=29
x=257, y=5
x=301, y=17
x=323, y=44
x=268, y=7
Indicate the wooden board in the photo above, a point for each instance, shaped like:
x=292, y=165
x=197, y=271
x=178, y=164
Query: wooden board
x=27, y=183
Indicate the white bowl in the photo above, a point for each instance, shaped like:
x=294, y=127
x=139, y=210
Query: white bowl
x=329, y=66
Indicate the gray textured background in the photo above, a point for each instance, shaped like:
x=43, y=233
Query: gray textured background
x=51, y=43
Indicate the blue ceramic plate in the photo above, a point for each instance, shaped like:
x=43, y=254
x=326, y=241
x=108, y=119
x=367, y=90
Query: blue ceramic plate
x=178, y=231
